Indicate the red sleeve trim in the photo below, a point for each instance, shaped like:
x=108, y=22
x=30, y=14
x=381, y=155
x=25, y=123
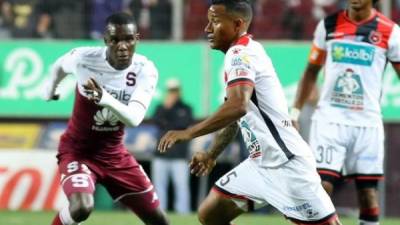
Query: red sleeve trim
x=241, y=83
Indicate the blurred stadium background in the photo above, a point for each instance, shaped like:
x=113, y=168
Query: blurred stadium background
x=33, y=33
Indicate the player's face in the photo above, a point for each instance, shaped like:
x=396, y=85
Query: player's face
x=359, y=4
x=221, y=30
x=121, y=41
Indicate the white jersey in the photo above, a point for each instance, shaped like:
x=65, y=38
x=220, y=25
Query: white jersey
x=266, y=128
x=94, y=123
x=355, y=57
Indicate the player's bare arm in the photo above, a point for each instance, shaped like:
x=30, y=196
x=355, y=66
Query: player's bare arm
x=202, y=163
x=56, y=76
x=306, y=85
x=238, y=98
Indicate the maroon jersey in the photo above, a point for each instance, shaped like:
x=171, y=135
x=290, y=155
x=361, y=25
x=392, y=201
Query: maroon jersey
x=93, y=129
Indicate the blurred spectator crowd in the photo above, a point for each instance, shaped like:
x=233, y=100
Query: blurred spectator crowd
x=84, y=19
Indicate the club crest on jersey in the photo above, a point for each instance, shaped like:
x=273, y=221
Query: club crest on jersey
x=352, y=54
x=375, y=37
x=105, y=117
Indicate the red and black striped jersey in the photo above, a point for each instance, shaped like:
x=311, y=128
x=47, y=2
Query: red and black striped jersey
x=266, y=128
x=355, y=55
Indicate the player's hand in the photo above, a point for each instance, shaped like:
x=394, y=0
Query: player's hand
x=53, y=97
x=93, y=90
x=172, y=137
x=201, y=164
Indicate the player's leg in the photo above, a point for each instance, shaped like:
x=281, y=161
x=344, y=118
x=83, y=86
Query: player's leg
x=129, y=184
x=233, y=194
x=328, y=146
x=78, y=183
x=218, y=210
x=147, y=207
x=365, y=164
x=180, y=178
x=368, y=201
x=296, y=191
x=160, y=173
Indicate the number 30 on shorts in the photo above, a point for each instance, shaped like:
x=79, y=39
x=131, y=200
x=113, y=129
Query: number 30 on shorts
x=325, y=155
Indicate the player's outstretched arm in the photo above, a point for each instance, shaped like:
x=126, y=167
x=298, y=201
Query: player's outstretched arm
x=238, y=98
x=57, y=74
x=203, y=162
x=306, y=86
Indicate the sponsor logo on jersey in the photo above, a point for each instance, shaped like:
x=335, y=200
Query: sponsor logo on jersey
x=250, y=139
x=120, y=95
x=241, y=60
x=105, y=120
x=352, y=54
x=348, y=91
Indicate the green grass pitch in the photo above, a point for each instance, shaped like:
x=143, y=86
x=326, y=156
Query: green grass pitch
x=127, y=218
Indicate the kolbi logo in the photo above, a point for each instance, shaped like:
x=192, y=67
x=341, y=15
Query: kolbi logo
x=353, y=54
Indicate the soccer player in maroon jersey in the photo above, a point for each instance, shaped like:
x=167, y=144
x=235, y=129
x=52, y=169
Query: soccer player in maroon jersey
x=354, y=46
x=114, y=88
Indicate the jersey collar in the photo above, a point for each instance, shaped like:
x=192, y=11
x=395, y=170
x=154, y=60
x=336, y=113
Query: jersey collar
x=371, y=17
x=243, y=40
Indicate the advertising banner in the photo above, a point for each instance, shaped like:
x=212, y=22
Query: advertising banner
x=18, y=135
x=30, y=181
x=26, y=65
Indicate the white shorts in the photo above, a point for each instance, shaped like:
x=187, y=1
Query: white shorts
x=354, y=152
x=293, y=188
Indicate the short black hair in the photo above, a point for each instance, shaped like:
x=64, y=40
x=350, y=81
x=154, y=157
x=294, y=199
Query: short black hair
x=240, y=7
x=120, y=19
x=375, y=1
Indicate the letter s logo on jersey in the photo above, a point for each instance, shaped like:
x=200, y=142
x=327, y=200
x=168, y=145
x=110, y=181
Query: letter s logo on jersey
x=353, y=54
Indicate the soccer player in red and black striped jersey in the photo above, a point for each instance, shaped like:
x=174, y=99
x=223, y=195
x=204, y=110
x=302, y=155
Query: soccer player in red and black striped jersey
x=354, y=46
x=280, y=169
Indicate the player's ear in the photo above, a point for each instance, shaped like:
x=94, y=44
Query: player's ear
x=239, y=23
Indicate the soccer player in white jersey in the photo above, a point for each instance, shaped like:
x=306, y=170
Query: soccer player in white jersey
x=114, y=88
x=346, y=135
x=280, y=170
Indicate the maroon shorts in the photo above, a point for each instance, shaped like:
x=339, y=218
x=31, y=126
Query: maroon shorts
x=121, y=175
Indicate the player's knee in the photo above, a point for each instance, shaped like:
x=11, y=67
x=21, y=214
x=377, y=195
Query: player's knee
x=328, y=186
x=203, y=215
x=367, y=193
x=80, y=207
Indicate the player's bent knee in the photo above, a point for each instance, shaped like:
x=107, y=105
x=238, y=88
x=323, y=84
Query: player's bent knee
x=81, y=205
x=203, y=214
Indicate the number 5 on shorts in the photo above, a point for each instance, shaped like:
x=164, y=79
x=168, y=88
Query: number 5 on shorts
x=230, y=175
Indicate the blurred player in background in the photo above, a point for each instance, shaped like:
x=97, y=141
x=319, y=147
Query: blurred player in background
x=347, y=130
x=281, y=169
x=115, y=87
